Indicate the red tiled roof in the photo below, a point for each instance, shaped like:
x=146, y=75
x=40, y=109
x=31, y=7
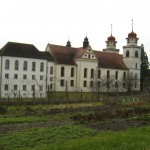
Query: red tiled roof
x=67, y=55
x=110, y=60
x=63, y=54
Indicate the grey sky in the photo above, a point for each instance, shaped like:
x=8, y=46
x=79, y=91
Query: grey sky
x=52, y=21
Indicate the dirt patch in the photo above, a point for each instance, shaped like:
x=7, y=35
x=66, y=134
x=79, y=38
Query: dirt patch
x=117, y=124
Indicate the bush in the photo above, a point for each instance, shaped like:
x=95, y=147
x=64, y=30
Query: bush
x=3, y=110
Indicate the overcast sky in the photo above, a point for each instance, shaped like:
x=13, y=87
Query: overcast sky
x=40, y=22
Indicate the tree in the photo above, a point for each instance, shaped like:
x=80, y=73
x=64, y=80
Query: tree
x=144, y=67
x=130, y=81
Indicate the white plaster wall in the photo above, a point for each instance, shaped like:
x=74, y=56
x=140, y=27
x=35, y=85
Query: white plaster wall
x=20, y=81
x=67, y=78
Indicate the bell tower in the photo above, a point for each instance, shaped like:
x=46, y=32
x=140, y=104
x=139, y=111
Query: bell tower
x=132, y=55
x=111, y=44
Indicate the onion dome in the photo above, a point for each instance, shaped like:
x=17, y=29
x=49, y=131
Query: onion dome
x=111, y=38
x=132, y=35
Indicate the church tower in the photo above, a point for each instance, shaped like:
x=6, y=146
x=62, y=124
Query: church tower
x=132, y=55
x=111, y=44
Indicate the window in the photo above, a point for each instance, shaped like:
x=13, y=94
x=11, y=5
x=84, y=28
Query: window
x=136, y=54
x=41, y=77
x=16, y=65
x=72, y=83
x=42, y=67
x=98, y=84
x=136, y=66
x=24, y=76
x=15, y=76
x=72, y=72
x=33, y=88
x=116, y=84
x=24, y=87
x=25, y=65
x=91, y=84
x=6, y=76
x=51, y=78
x=127, y=53
x=33, y=77
x=99, y=74
x=89, y=56
x=136, y=76
x=6, y=87
x=124, y=85
x=7, y=64
x=51, y=86
x=85, y=72
x=51, y=70
x=92, y=73
x=62, y=71
x=84, y=83
x=135, y=85
x=108, y=74
x=116, y=75
x=41, y=87
x=61, y=82
x=124, y=75
x=33, y=66
x=15, y=87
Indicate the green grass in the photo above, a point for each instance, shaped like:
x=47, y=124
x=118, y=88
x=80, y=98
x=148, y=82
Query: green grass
x=15, y=120
x=37, y=136
x=132, y=139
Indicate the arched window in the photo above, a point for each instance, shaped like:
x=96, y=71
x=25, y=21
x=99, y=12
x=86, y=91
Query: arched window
x=16, y=65
x=25, y=65
x=116, y=75
x=7, y=64
x=92, y=73
x=51, y=70
x=72, y=72
x=136, y=54
x=62, y=71
x=99, y=74
x=42, y=67
x=33, y=66
x=108, y=74
x=85, y=72
x=127, y=53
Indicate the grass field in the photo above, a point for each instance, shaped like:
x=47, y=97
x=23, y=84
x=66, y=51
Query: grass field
x=50, y=127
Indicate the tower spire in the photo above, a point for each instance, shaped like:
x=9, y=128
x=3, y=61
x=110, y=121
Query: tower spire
x=111, y=29
x=132, y=25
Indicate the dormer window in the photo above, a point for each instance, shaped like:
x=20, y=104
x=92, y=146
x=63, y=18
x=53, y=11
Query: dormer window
x=89, y=50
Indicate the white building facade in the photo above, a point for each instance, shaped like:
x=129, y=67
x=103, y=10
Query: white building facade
x=26, y=72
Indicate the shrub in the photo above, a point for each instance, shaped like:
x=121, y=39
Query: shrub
x=3, y=110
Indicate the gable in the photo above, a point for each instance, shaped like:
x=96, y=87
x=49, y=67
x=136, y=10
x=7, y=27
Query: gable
x=89, y=53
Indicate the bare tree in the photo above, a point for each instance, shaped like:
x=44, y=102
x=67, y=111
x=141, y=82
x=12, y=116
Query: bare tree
x=129, y=82
x=108, y=82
